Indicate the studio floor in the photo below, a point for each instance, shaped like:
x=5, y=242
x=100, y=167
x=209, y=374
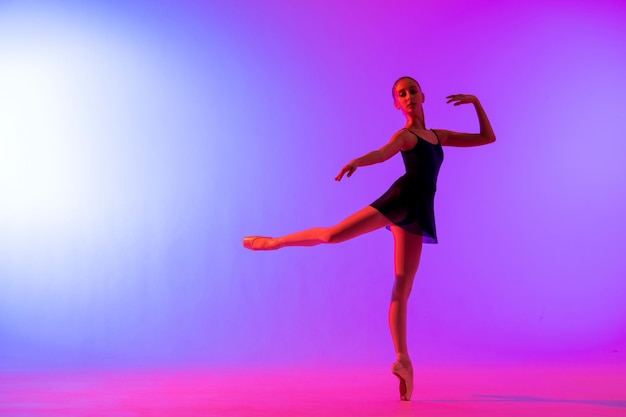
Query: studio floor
x=572, y=390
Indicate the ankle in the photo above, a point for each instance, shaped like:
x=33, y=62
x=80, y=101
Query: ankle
x=404, y=357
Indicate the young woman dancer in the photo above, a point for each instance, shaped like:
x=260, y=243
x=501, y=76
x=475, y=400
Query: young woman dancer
x=407, y=206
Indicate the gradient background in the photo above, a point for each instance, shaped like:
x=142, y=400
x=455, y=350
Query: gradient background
x=140, y=141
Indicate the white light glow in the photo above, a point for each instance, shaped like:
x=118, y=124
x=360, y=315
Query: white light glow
x=67, y=91
x=36, y=132
x=71, y=94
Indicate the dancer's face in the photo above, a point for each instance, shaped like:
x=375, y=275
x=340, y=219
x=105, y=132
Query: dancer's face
x=408, y=96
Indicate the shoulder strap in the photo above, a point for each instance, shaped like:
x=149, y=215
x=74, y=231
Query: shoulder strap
x=418, y=138
x=438, y=140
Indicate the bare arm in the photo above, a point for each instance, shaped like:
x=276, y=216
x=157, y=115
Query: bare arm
x=486, y=135
x=398, y=142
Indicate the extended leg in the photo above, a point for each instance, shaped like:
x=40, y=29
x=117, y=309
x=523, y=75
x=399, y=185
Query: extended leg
x=361, y=222
x=407, y=252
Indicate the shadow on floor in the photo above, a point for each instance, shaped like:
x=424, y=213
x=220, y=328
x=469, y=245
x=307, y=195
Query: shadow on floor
x=524, y=399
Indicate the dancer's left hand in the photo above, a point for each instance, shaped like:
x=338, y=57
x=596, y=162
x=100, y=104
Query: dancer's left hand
x=462, y=99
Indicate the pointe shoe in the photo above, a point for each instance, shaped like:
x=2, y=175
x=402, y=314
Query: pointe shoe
x=404, y=372
x=257, y=243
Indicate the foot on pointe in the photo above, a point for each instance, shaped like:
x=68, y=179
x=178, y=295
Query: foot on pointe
x=404, y=371
x=259, y=243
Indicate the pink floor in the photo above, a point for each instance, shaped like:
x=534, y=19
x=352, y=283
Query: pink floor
x=485, y=391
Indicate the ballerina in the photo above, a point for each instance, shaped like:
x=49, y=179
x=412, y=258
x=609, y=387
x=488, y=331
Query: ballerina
x=407, y=207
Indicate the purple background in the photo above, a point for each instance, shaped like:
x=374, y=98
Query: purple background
x=142, y=140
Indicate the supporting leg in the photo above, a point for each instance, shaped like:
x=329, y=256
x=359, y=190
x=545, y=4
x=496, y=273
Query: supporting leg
x=407, y=252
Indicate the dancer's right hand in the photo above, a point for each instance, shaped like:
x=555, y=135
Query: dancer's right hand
x=350, y=168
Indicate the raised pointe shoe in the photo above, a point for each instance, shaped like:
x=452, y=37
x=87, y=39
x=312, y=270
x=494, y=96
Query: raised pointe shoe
x=404, y=372
x=257, y=243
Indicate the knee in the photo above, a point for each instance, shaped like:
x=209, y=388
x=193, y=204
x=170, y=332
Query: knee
x=401, y=288
x=326, y=235
x=331, y=236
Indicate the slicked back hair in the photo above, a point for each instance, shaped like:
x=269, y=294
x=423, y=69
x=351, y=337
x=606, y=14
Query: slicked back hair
x=406, y=77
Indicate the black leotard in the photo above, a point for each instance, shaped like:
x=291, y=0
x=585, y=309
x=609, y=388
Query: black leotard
x=409, y=202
